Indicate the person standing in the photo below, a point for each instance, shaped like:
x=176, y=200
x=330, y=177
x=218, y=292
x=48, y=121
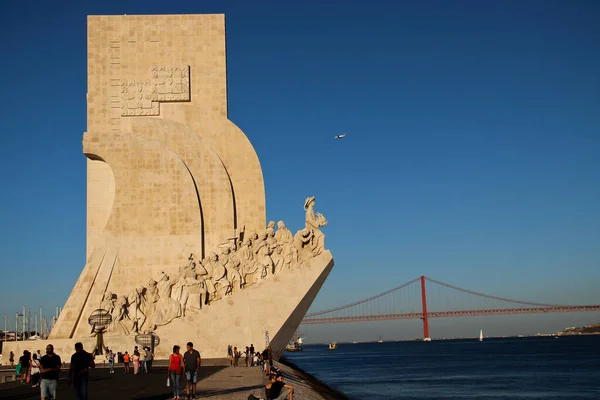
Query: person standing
x=230, y=354
x=149, y=359
x=25, y=361
x=191, y=360
x=265, y=358
x=136, y=362
x=126, y=360
x=81, y=361
x=111, y=361
x=50, y=370
x=175, y=368
x=35, y=370
x=270, y=356
x=11, y=359
x=142, y=360
x=236, y=357
x=252, y=352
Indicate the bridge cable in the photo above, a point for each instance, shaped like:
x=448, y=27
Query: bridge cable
x=493, y=297
x=361, y=301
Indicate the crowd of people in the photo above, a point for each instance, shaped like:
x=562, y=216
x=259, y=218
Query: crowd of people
x=276, y=388
x=252, y=358
x=140, y=360
x=43, y=371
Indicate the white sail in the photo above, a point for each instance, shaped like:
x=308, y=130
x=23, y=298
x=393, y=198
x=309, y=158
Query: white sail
x=481, y=335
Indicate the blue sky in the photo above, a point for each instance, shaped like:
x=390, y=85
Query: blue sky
x=471, y=156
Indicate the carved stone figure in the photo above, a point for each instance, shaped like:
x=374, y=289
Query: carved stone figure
x=271, y=228
x=149, y=307
x=217, y=283
x=246, y=257
x=108, y=302
x=285, y=241
x=303, y=243
x=262, y=252
x=198, y=286
x=232, y=265
x=135, y=302
x=283, y=234
x=118, y=326
x=314, y=221
x=186, y=283
x=278, y=259
x=167, y=309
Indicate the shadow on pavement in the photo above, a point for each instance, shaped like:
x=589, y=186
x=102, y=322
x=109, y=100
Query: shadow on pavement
x=117, y=386
x=208, y=393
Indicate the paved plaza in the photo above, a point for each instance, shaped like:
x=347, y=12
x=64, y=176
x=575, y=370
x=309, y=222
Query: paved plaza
x=217, y=382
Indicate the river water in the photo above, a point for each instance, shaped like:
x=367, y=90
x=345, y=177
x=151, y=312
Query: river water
x=498, y=369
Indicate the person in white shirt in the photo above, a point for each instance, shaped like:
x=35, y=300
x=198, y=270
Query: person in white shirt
x=143, y=361
x=35, y=370
x=111, y=361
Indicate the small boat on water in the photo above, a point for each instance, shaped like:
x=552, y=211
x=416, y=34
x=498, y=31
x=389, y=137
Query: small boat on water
x=332, y=346
x=481, y=335
x=295, y=345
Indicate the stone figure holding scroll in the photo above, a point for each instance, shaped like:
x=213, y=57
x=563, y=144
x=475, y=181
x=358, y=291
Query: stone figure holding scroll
x=314, y=221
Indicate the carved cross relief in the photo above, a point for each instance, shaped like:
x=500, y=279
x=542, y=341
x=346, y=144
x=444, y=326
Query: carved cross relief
x=167, y=84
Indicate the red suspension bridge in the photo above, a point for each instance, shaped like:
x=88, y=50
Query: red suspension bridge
x=388, y=305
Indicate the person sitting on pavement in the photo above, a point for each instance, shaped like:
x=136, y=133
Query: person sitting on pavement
x=276, y=389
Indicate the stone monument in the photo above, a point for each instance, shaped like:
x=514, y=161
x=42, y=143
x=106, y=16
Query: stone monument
x=178, y=246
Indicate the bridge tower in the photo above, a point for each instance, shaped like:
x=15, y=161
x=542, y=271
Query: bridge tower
x=426, y=337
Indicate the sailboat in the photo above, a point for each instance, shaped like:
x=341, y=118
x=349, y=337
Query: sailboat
x=481, y=335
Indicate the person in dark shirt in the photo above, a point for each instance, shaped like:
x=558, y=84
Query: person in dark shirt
x=270, y=356
x=25, y=361
x=276, y=389
x=81, y=361
x=192, y=361
x=50, y=370
x=267, y=366
x=149, y=359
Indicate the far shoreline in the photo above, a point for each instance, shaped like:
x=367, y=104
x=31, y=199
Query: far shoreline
x=418, y=340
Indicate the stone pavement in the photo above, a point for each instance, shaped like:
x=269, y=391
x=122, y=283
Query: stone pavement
x=217, y=382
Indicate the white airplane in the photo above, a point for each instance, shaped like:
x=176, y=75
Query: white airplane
x=343, y=135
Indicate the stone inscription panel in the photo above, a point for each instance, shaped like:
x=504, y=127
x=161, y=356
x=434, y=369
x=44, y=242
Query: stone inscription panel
x=142, y=97
x=172, y=83
x=138, y=98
